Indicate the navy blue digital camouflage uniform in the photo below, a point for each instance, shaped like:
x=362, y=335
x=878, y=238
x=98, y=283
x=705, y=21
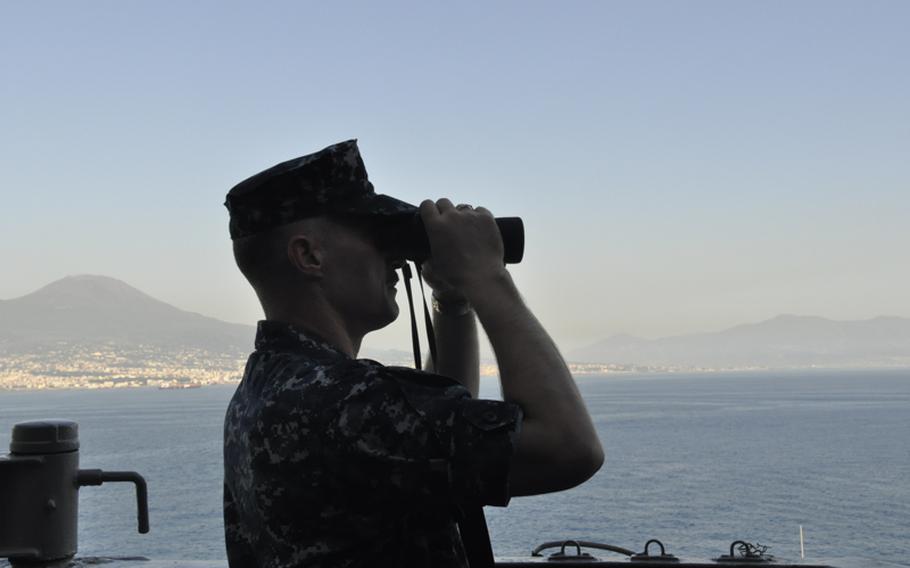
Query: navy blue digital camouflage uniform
x=334, y=461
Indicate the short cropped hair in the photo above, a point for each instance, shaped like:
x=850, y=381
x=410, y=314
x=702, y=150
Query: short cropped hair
x=263, y=257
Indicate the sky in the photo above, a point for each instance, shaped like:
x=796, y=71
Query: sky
x=680, y=166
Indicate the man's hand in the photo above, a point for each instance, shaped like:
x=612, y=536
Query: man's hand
x=465, y=246
x=558, y=447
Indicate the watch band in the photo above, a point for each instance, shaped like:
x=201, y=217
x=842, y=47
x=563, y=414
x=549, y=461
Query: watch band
x=457, y=308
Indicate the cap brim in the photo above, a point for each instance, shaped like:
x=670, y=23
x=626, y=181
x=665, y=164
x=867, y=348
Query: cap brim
x=376, y=204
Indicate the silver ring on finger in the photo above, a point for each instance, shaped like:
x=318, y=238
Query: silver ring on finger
x=463, y=206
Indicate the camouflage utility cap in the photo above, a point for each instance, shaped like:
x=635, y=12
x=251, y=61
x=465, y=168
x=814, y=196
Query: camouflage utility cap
x=333, y=180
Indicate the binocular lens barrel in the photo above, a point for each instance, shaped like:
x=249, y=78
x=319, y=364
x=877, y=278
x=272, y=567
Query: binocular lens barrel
x=407, y=236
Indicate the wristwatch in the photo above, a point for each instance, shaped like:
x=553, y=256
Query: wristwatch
x=455, y=308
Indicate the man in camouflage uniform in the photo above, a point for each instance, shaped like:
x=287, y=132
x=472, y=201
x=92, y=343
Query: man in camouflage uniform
x=332, y=460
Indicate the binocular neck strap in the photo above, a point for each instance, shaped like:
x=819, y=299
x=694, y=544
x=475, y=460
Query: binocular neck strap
x=415, y=334
x=472, y=525
x=428, y=320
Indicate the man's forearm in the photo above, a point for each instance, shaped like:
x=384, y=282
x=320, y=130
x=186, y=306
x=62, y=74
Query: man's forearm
x=559, y=447
x=457, y=348
x=532, y=371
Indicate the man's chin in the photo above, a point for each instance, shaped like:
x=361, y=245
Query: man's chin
x=393, y=314
x=390, y=316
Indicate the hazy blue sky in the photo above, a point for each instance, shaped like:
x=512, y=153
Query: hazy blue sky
x=681, y=166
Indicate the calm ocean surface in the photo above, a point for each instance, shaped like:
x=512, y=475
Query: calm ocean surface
x=694, y=460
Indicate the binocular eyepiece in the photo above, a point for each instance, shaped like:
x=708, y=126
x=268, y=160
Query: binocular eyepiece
x=405, y=234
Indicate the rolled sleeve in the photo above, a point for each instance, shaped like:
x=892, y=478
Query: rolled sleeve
x=477, y=438
x=484, y=435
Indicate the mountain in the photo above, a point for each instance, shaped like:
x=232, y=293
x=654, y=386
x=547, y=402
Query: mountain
x=784, y=341
x=98, y=310
x=91, y=310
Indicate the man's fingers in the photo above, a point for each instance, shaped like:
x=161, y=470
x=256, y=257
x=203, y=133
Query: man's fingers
x=431, y=211
x=444, y=205
x=428, y=211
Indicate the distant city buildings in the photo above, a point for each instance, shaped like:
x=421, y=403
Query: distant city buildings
x=80, y=367
x=70, y=366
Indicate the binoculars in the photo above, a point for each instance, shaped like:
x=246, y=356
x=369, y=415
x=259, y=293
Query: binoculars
x=406, y=234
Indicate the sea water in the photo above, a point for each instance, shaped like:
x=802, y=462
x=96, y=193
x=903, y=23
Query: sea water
x=696, y=461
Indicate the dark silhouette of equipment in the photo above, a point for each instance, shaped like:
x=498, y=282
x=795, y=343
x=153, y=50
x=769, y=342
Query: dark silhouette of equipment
x=406, y=235
x=39, y=492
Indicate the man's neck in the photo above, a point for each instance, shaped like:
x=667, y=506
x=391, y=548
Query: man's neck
x=319, y=320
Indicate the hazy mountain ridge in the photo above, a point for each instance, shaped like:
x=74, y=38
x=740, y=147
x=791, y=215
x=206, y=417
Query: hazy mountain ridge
x=783, y=341
x=89, y=309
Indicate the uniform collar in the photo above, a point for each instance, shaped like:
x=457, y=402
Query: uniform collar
x=277, y=335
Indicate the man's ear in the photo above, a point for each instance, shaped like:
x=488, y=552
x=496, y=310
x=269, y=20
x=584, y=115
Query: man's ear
x=305, y=255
